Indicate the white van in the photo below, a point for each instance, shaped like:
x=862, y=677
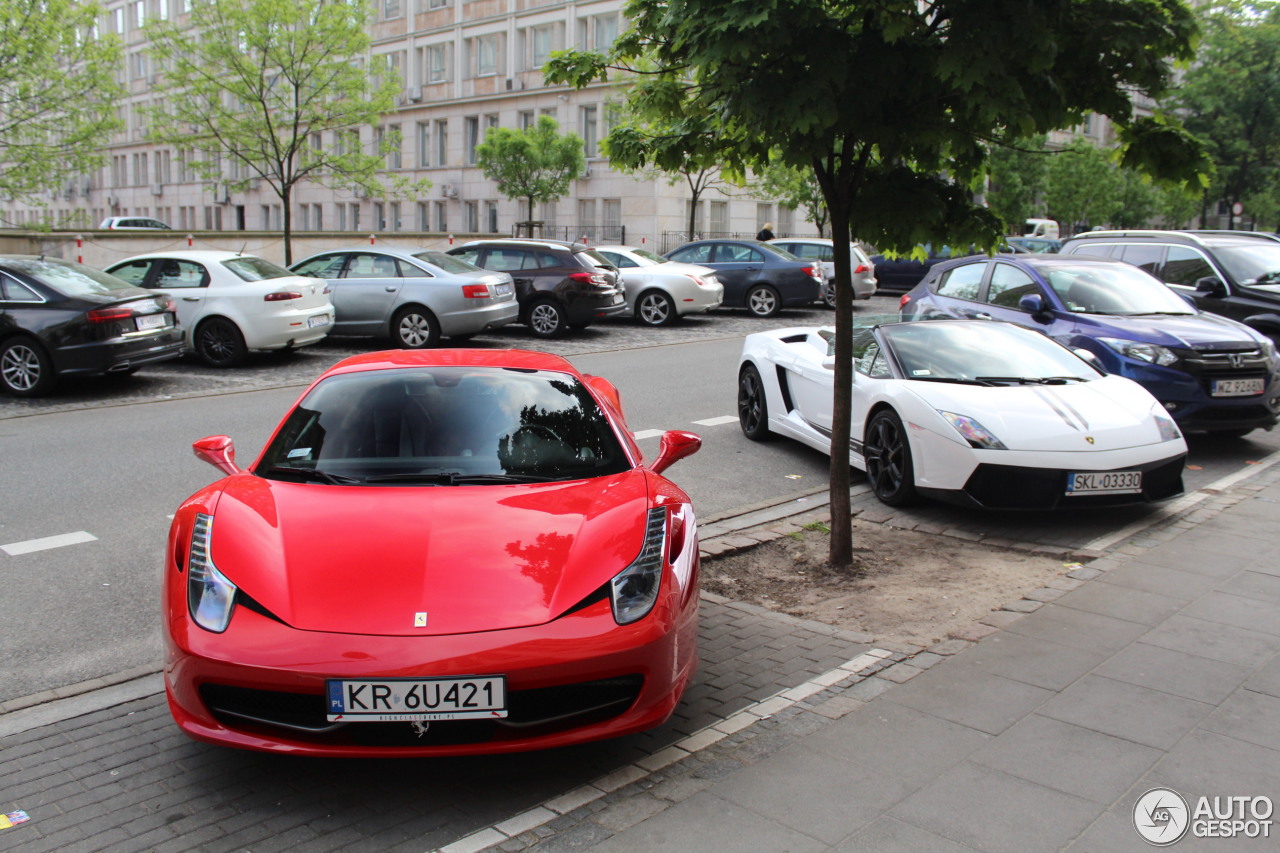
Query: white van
x=1041, y=228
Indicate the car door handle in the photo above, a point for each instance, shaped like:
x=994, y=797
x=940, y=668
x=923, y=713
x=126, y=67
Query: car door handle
x=191, y=299
x=390, y=288
x=981, y=316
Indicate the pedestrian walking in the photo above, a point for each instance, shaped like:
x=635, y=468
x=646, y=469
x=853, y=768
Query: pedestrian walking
x=766, y=233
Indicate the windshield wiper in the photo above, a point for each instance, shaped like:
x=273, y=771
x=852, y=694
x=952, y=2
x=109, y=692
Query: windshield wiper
x=954, y=379
x=1029, y=380
x=455, y=478
x=315, y=474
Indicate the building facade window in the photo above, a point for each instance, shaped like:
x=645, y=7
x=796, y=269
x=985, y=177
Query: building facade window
x=611, y=209
x=435, y=63
x=472, y=211
x=590, y=130
x=471, y=137
x=442, y=216
x=390, y=9
x=587, y=212
x=524, y=119
x=486, y=55
x=491, y=216
x=442, y=142
x=719, y=217
x=764, y=214
x=424, y=144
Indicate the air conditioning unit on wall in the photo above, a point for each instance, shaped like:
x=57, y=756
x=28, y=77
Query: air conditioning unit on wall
x=448, y=191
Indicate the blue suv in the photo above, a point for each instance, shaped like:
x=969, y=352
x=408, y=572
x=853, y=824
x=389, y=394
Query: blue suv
x=1212, y=374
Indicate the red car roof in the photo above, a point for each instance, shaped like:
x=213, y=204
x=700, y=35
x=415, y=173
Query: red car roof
x=453, y=357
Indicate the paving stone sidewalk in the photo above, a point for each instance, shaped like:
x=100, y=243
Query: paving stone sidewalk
x=1156, y=666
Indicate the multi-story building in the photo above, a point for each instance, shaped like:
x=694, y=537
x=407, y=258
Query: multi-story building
x=467, y=65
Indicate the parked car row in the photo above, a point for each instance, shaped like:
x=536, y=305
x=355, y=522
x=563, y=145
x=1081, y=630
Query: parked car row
x=222, y=304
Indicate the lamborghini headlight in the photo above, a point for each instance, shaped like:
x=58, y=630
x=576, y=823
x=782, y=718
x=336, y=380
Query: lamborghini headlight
x=973, y=432
x=634, y=590
x=1168, y=429
x=1151, y=353
x=210, y=596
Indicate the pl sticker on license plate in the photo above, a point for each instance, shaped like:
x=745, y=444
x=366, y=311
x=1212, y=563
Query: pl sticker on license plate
x=1104, y=482
x=395, y=699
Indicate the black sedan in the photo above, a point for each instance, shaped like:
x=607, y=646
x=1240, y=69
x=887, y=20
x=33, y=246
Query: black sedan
x=58, y=319
x=757, y=276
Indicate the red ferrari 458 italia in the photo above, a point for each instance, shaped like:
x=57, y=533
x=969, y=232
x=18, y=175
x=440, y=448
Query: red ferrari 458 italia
x=439, y=552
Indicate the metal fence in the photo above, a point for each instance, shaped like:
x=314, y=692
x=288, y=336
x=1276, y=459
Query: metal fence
x=593, y=235
x=675, y=239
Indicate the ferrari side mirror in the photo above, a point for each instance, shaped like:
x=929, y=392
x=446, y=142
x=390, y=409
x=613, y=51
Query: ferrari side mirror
x=673, y=446
x=219, y=451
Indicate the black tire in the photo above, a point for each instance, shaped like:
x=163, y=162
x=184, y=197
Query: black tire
x=414, y=327
x=547, y=319
x=763, y=301
x=25, y=368
x=655, y=308
x=888, y=457
x=1230, y=434
x=829, y=294
x=753, y=407
x=219, y=343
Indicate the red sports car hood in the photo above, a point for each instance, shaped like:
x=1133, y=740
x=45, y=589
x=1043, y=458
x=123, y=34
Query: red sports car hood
x=370, y=560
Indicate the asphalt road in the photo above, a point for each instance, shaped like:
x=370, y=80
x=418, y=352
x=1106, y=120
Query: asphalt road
x=94, y=473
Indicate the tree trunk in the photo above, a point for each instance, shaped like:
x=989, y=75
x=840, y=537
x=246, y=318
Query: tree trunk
x=841, y=546
x=286, y=193
x=694, y=194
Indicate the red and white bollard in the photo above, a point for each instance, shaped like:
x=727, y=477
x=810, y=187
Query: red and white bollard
x=450, y=239
x=79, y=248
x=373, y=239
x=190, y=241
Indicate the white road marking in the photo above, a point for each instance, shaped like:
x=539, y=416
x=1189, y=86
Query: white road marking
x=48, y=542
x=492, y=836
x=723, y=419
x=647, y=433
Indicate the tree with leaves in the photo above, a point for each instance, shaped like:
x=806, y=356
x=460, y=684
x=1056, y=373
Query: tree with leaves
x=1016, y=181
x=280, y=89
x=893, y=106
x=58, y=92
x=1231, y=96
x=793, y=187
x=1083, y=187
x=536, y=164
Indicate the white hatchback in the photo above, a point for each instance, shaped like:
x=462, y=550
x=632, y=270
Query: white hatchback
x=231, y=303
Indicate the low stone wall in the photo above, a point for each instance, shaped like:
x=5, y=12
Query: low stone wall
x=103, y=248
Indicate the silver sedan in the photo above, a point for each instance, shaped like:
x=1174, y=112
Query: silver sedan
x=862, y=270
x=660, y=291
x=415, y=296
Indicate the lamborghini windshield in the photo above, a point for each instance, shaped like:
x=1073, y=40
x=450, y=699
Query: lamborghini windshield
x=982, y=352
x=444, y=426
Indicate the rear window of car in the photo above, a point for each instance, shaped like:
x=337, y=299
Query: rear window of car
x=591, y=259
x=70, y=279
x=250, y=268
x=448, y=263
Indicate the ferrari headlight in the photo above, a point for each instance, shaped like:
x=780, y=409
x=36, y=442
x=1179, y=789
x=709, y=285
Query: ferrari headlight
x=1151, y=353
x=634, y=590
x=1168, y=429
x=975, y=433
x=210, y=596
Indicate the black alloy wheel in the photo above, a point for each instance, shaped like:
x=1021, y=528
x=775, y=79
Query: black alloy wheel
x=219, y=343
x=888, y=458
x=753, y=408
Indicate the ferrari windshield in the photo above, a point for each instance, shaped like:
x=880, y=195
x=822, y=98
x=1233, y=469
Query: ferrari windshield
x=1111, y=288
x=444, y=426
x=981, y=351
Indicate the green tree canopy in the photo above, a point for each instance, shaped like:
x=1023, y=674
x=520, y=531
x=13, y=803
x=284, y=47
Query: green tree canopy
x=795, y=187
x=536, y=164
x=1016, y=181
x=58, y=93
x=1231, y=96
x=279, y=88
x=1083, y=187
x=893, y=105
